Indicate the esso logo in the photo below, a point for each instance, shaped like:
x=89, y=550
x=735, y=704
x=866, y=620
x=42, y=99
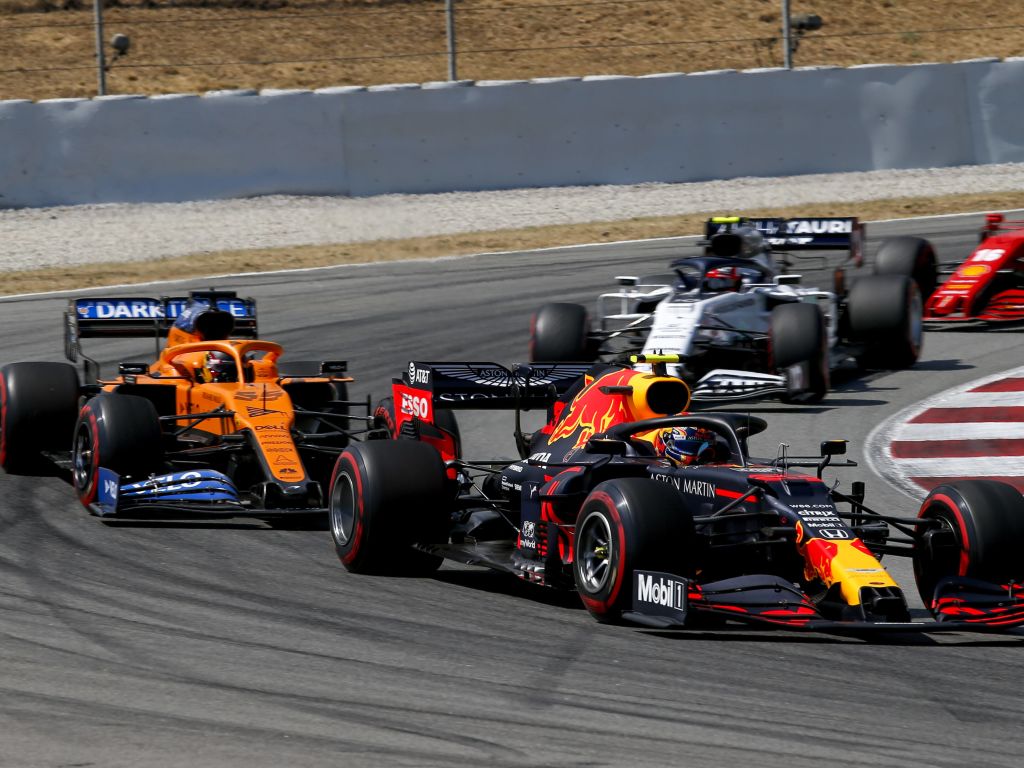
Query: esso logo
x=988, y=254
x=417, y=406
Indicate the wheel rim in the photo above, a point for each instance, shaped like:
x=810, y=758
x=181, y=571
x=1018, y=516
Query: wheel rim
x=594, y=552
x=83, y=458
x=343, y=509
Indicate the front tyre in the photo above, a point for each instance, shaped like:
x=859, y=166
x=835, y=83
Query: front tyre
x=626, y=525
x=978, y=533
x=799, y=338
x=118, y=432
x=387, y=495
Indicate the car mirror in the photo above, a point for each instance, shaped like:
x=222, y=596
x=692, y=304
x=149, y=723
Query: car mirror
x=833, y=447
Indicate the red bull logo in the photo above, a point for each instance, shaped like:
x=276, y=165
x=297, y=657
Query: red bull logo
x=592, y=411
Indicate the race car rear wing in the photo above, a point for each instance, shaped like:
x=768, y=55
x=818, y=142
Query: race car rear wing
x=148, y=317
x=829, y=233
x=482, y=386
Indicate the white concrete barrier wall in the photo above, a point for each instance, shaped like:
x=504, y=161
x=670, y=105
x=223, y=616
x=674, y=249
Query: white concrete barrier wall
x=549, y=132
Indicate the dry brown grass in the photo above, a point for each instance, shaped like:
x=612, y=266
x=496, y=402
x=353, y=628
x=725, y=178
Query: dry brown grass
x=231, y=262
x=189, y=45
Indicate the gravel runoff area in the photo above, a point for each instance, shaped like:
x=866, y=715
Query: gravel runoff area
x=72, y=235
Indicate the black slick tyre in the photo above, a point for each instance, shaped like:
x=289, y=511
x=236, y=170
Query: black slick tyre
x=120, y=433
x=38, y=406
x=979, y=534
x=559, y=332
x=884, y=314
x=387, y=495
x=912, y=257
x=799, y=338
x=626, y=525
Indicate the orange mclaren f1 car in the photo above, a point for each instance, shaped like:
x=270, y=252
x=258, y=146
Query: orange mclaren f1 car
x=216, y=426
x=662, y=518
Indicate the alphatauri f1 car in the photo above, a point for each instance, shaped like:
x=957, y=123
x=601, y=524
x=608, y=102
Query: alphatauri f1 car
x=742, y=326
x=987, y=287
x=216, y=426
x=597, y=504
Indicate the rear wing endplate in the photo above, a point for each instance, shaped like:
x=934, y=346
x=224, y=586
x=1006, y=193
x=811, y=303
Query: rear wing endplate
x=491, y=386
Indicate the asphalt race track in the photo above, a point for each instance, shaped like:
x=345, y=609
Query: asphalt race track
x=236, y=644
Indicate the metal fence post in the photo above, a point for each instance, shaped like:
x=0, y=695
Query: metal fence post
x=101, y=64
x=449, y=16
x=786, y=39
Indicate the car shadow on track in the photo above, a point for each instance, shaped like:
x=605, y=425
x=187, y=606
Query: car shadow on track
x=942, y=365
x=238, y=524
x=497, y=583
x=740, y=633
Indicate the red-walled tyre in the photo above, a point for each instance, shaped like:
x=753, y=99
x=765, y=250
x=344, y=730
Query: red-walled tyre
x=912, y=257
x=385, y=496
x=979, y=534
x=38, y=406
x=626, y=525
x=119, y=432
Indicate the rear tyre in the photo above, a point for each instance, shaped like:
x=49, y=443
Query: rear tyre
x=559, y=332
x=980, y=535
x=119, y=432
x=385, y=496
x=38, y=406
x=911, y=257
x=626, y=525
x=885, y=317
x=799, y=337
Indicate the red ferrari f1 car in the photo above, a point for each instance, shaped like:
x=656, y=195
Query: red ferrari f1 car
x=659, y=517
x=988, y=286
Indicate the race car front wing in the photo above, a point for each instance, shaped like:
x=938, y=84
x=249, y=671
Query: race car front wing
x=668, y=601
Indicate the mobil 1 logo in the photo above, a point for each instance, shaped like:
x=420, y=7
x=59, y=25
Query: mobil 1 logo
x=659, y=594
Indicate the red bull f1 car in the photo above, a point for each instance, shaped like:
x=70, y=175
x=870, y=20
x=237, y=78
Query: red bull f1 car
x=216, y=426
x=743, y=326
x=988, y=286
x=599, y=504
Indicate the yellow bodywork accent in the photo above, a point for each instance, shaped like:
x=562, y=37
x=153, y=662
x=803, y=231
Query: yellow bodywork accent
x=846, y=562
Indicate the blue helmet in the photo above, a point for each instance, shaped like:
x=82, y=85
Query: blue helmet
x=688, y=445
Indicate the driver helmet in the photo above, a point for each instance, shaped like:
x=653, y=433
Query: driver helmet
x=723, y=279
x=752, y=241
x=219, y=367
x=688, y=445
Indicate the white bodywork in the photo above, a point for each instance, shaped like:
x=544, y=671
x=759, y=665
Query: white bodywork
x=683, y=318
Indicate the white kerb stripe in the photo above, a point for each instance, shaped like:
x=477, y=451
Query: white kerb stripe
x=982, y=400
x=995, y=430
x=983, y=466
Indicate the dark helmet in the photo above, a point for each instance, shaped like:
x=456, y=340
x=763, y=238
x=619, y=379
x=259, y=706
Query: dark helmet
x=219, y=367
